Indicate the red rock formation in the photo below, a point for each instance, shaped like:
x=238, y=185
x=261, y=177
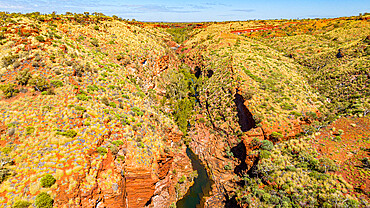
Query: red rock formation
x=140, y=187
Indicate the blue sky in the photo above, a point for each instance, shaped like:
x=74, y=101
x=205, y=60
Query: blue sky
x=195, y=10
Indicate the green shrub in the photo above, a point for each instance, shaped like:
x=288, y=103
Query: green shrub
x=9, y=90
x=255, y=142
x=113, y=149
x=179, y=35
x=337, y=138
x=102, y=150
x=105, y=101
x=182, y=179
x=49, y=91
x=8, y=60
x=352, y=203
x=266, y=197
x=326, y=205
x=30, y=130
x=80, y=108
x=265, y=154
x=227, y=167
x=180, y=87
x=7, y=149
x=267, y=145
x=40, y=38
x=82, y=97
x=298, y=114
x=94, y=42
x=291, y=168
x=118, y=142
x=137, y=111
x=259, y=193
x=4, y=173
x=113, y=104
x=318, y=176
x=276, y=135
x=247, y=94
x=288, y=106
x=43, y=200
x=326, y=164
x=274, y=199
x=119, y=57
x=258, y=118
x=69, y=133
x=21, y=204
x=121, y=158
x=254, y=77
x=92, y=88
x=57, y=83
x=80, y=38
x=367, y=50
x=23, y=77
x=47, y=181
x=39, y=83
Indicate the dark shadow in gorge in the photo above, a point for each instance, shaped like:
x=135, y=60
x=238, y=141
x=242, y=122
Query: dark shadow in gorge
x=240, y=151
x=253, y=171
x=209, y=73
x=231, y=202
x=198, y=72
x=246, y=120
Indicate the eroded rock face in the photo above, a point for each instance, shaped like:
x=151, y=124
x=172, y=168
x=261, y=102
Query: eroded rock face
x=210, y=147
x=210, y=150
x=127, y=184
x=140, y=187
x=108, y=189
x=155, y=187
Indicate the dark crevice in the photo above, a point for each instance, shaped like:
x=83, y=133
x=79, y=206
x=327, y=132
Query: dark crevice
x=246, y=120
x=149, y=201
x=253, y=171
x=240, y=152
x=209, y=114
x=231, y=202
x=198, y=72
x=209, y=73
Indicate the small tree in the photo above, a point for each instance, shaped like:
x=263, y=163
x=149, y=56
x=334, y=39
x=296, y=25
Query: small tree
x=21, y=204
x=267, y=145
x=39, y=83
x=9, y=90
x=43, y=200
x=94, y=42
x=47, y=181
x=40, y=38
x=23, y=77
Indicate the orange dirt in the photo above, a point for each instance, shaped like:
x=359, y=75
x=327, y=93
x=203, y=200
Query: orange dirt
x=347, y=150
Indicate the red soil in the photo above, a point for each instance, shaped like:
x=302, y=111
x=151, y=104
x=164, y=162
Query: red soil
x=348, y=150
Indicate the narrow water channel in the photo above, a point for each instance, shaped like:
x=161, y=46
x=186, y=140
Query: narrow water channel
x=201, y=187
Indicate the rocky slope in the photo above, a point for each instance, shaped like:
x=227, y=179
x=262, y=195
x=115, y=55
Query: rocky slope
x=79, y=103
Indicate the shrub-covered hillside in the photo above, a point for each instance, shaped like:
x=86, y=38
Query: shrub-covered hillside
x=266, y=93
x=78, y=111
